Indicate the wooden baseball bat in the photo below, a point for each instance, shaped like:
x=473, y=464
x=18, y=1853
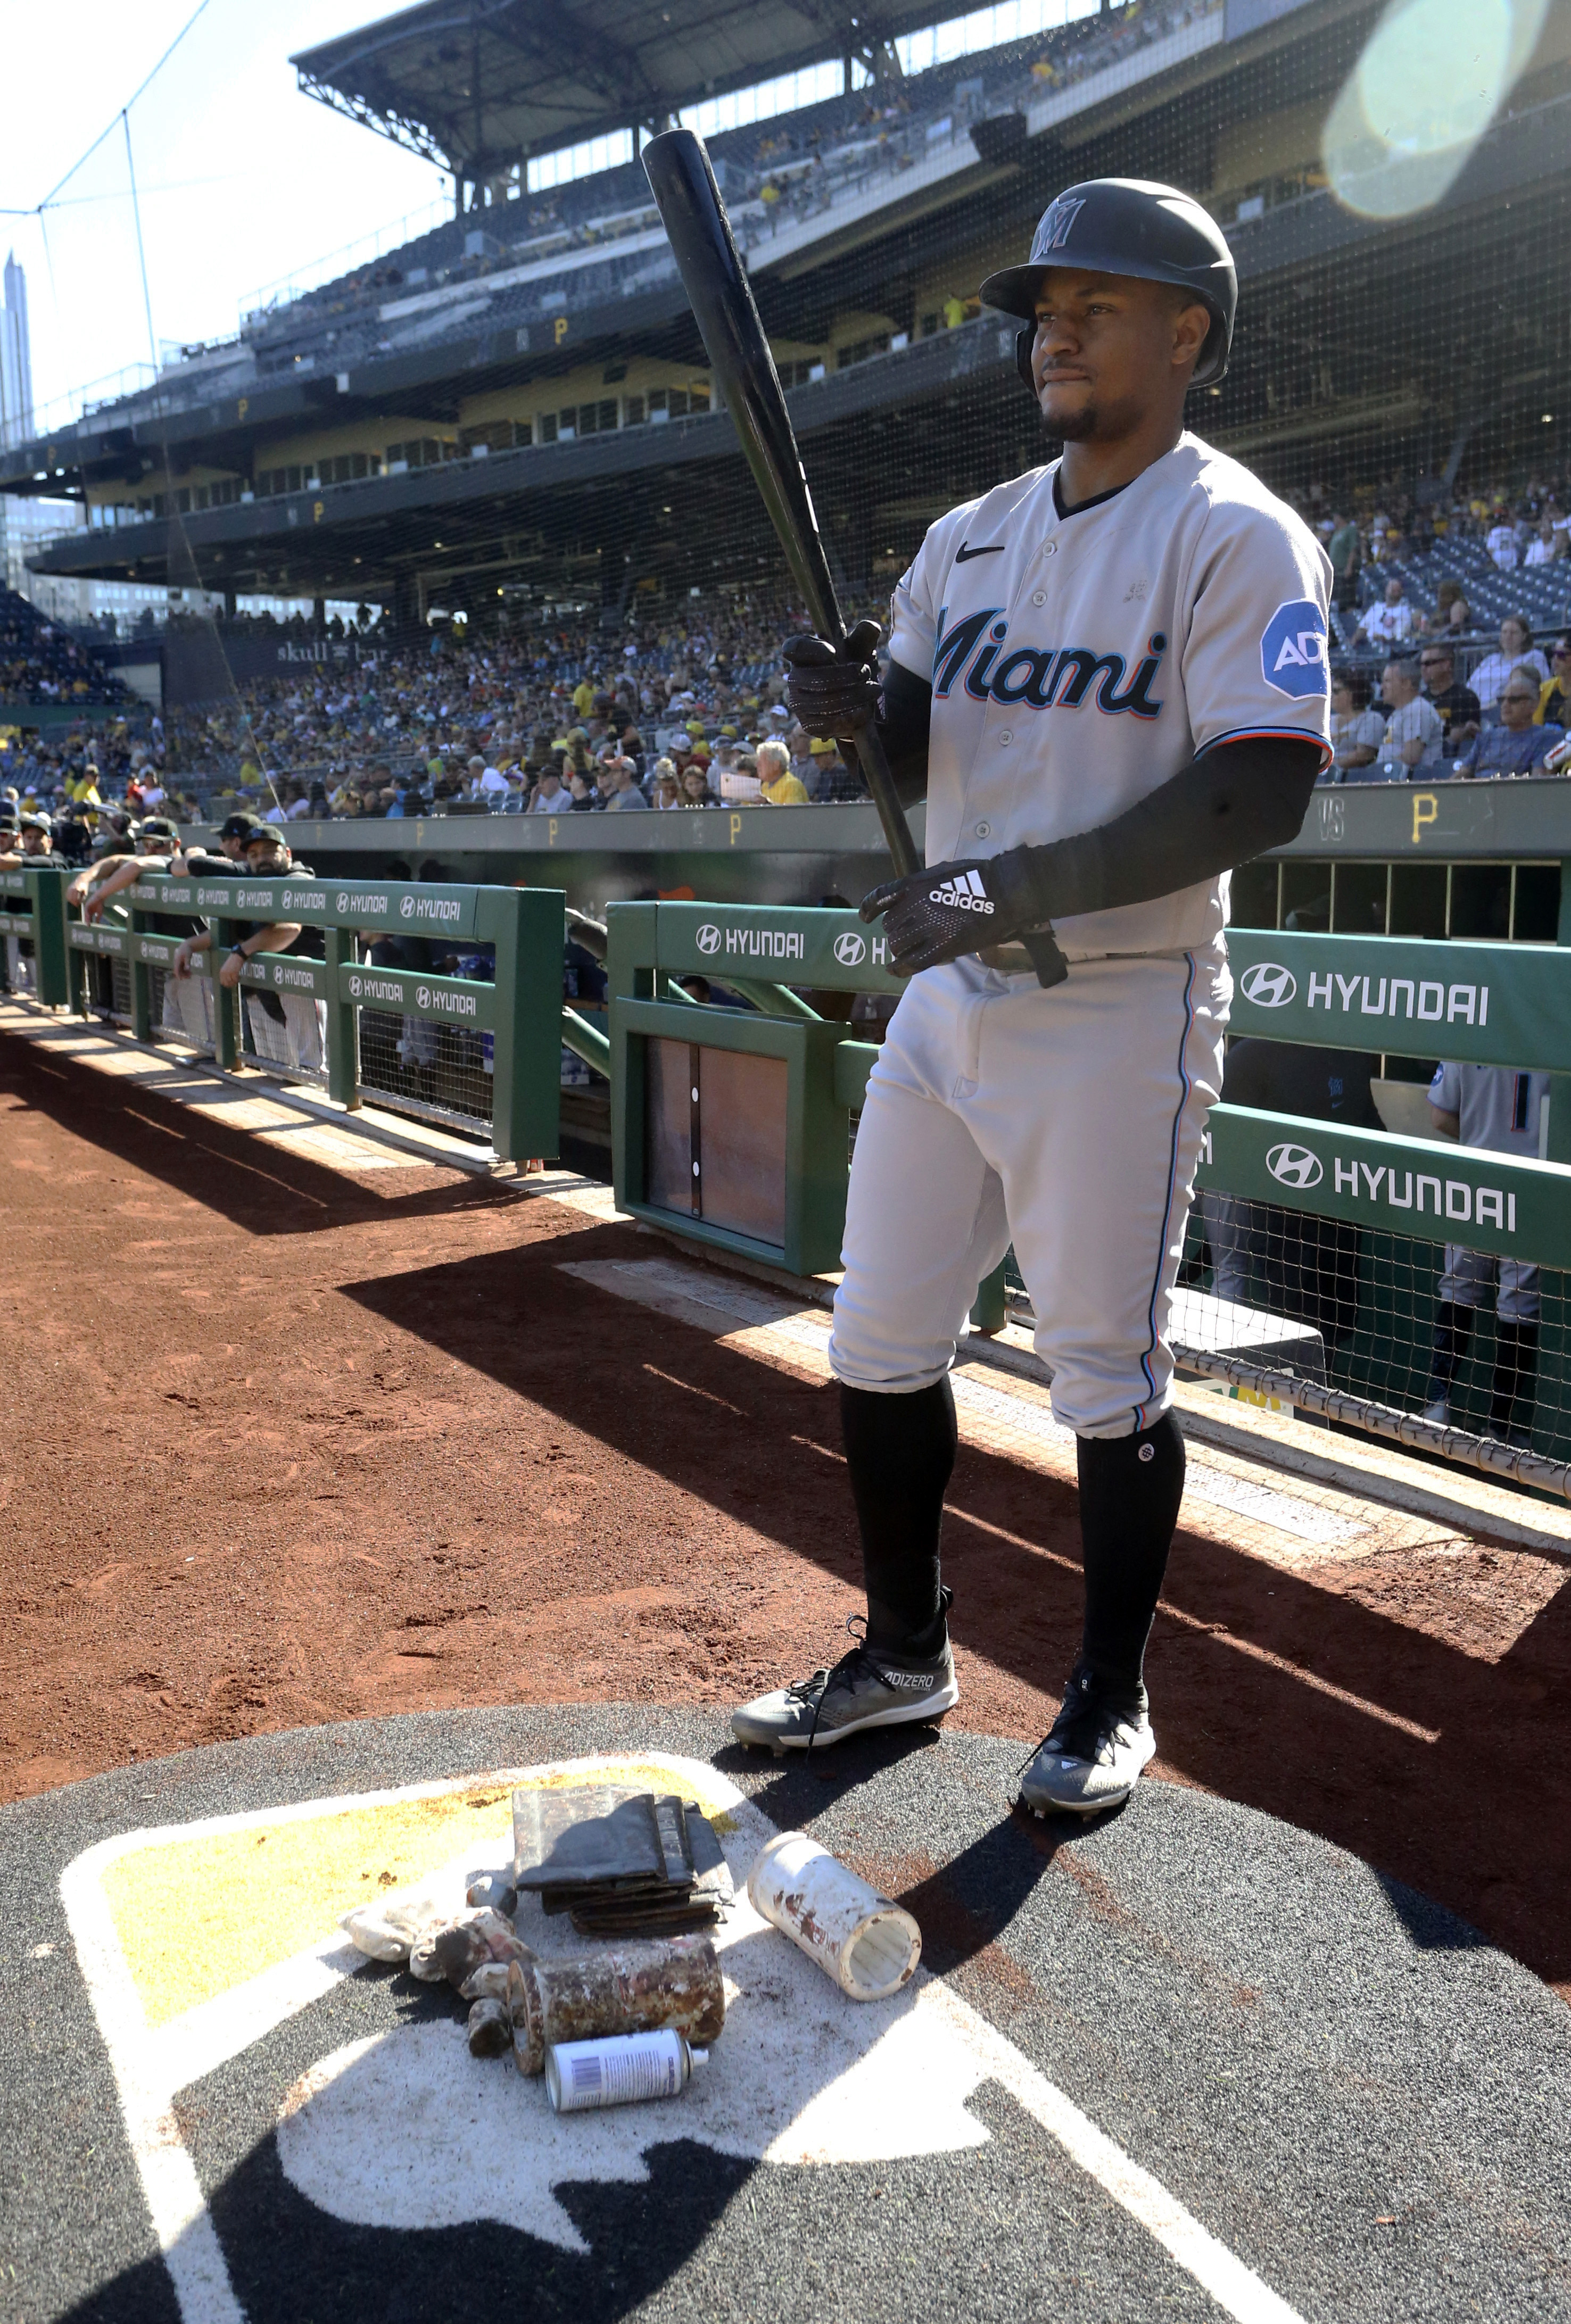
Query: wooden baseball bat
x=721, y=296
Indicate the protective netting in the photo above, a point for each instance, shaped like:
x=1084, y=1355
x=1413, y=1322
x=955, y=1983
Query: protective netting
x=460, y=532
x=474, y=501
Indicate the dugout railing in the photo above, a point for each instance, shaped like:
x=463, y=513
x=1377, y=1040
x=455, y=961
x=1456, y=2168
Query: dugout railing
x=488, y=1037
x=32, y=914
x=735, y=1089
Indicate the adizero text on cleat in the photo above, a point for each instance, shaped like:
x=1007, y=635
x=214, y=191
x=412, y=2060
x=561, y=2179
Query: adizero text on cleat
x=1098, y=1748
x=864, y=1689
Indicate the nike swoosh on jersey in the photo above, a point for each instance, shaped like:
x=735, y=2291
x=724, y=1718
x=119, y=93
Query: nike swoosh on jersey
x=993, y=549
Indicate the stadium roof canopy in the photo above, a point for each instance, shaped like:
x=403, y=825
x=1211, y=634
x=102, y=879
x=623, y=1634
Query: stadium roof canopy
x=480, y=86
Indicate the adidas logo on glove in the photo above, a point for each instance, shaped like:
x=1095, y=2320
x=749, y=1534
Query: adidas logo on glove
x=965, y=894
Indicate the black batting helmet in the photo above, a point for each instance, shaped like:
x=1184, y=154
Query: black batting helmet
x=1128, y=226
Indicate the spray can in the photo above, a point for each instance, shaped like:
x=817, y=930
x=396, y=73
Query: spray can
x=619, y=2070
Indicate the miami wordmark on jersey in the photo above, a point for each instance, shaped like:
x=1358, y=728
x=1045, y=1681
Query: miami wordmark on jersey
x=1078, y=667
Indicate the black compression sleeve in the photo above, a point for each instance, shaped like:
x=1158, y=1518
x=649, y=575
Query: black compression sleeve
x=1227, y=805
x=903, y=725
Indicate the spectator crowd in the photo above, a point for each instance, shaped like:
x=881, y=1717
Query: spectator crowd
x=552, y=712
x=1450, y=657
x=40, y=661
x=549, y=717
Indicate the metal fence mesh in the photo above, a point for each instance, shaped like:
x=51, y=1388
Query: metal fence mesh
x=440, y=1073
x=1469, y=1341
x=1430, y=1332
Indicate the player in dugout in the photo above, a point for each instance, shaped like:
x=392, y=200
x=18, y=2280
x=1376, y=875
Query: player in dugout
x=1109, y=678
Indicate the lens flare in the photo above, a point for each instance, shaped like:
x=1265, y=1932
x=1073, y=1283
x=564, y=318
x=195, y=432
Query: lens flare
x=1432, y=76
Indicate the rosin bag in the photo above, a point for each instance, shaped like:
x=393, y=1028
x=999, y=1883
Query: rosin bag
x=868, y=1944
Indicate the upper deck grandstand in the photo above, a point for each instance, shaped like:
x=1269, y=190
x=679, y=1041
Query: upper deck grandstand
x=519, y=397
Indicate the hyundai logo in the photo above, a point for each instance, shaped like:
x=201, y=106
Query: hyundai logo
x=1294, y=1166
x=1268, y=985
x=407, y=908
x=708, y=937
x=421, y=998
x=849, y=948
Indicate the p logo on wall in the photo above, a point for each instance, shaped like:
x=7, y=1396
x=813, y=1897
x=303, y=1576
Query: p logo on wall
x=1292, y=650
x=301, y=2118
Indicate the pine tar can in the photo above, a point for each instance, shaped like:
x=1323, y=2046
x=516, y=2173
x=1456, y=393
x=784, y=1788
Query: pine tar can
x=619, y=2070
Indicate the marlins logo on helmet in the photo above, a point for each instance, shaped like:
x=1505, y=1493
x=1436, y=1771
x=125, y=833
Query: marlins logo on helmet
x=1053, y=229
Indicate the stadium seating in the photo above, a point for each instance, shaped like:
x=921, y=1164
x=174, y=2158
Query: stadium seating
x=597, y=239
x=42, y=662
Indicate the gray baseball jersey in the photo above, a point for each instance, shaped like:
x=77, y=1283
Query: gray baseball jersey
x=1077, y=663
x=1499, y=1107
x=1499, y=1113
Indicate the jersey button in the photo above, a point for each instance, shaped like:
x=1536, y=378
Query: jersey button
x=1039, y=597
x=1051, y=549
x=983, y=831
x=1006, y=737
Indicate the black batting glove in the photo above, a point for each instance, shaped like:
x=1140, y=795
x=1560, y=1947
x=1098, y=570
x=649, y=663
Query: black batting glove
x=954, y=908
x=834, y=695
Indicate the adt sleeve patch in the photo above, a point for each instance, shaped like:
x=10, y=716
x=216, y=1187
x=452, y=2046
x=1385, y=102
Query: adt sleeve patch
x=1292, y=650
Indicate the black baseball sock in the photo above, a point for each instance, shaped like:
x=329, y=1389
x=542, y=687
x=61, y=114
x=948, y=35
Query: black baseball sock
x=1516, y=1366
x=1452, y=1330
x=900, y=1451
x=1129, y=1491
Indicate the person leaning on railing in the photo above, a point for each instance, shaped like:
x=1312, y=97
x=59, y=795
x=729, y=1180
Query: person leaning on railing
x=157, y=849
x=286, y=1027
x=33, y=847
x=1496, y=1110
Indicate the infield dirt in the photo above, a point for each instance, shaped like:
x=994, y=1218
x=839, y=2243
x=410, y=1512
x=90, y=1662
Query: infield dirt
x=286, y=1443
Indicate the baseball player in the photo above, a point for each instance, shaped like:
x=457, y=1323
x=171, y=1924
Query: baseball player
x=1109, y=678
x=1498, y=1109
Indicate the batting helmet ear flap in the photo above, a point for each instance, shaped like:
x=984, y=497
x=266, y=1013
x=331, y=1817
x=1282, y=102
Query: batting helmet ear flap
x=1025, y=342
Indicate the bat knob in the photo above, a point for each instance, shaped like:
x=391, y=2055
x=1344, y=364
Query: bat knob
x=1049, y=961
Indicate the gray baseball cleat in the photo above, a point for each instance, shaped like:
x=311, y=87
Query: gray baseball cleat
x=866, y=1688
x=1097, y=1749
